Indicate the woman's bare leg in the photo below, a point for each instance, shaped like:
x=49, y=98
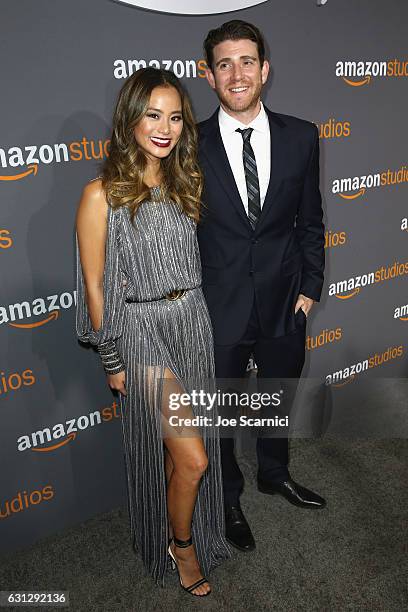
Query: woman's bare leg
x=189, y=463
x=186, y=462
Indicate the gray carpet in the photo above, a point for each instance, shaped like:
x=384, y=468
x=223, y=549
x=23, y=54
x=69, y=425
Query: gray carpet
x=350, y=556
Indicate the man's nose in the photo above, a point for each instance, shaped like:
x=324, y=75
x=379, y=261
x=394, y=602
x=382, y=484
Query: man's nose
x=237, y=72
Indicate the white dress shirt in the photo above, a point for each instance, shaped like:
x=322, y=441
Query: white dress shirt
x=261, y=144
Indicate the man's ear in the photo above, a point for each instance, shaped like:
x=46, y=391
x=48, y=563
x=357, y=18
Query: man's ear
x=264, y=72
x=210, y=77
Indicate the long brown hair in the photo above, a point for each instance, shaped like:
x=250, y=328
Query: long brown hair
x=123, y=170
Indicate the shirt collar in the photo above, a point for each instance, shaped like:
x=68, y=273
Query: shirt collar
x=229, y=124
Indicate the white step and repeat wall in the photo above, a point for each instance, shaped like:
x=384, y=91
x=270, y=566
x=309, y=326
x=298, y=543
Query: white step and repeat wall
x=342, y=65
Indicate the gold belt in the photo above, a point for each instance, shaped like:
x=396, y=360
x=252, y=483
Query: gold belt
x=176, y=294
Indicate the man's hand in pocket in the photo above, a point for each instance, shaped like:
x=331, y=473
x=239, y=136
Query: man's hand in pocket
x=304, y=303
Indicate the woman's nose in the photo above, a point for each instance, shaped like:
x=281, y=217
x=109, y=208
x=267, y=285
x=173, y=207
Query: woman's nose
x=164, y=127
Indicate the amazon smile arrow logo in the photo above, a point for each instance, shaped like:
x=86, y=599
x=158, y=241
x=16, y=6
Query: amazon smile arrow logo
x=359, y=73
x=23, y=161
x=360, y=184
x=350, y=295
x=31, y=169
x=401, y=313
x=53, y=316
x=54, y=437
x=344, y=376
x=349, y=287
x=20, y=314
x=345, y=382
x=47, y=449
x=352, y=196
x=365, y=81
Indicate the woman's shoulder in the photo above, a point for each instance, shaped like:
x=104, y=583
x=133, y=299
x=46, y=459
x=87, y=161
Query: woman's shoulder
x=94, y=190
x=93, y=203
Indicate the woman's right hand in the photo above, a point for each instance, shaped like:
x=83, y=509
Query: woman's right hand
x=117, y=382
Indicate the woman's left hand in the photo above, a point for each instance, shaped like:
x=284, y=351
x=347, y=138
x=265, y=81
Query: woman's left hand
x=117, y=382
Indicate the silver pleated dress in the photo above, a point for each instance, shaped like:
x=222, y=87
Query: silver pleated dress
x=144, y=261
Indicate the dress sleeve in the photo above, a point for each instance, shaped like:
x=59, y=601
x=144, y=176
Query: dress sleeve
x=114, y=287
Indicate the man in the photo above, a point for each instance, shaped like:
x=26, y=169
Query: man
x=261, y=243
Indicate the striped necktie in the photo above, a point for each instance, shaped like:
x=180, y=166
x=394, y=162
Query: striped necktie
x=251, y=177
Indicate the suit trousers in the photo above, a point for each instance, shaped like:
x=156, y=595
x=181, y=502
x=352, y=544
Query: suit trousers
x=276, y=358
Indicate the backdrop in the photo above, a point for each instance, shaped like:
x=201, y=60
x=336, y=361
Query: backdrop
x=341, y=65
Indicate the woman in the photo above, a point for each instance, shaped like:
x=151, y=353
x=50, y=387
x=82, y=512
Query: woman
x=140, y=303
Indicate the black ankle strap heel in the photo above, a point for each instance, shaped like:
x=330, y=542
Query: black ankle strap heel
x=192, y=587
x=183, y=543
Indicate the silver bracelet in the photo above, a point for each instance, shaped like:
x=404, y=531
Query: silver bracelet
x=111, y=360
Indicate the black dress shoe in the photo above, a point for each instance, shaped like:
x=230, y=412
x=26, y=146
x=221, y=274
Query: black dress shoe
x=293, y=492
x=237, y=530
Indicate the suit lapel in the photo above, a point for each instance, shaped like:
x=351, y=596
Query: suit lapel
x=278, y=159
x=214, y=151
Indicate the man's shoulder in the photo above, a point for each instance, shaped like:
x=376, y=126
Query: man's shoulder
x=207, y=125
x=295, y=124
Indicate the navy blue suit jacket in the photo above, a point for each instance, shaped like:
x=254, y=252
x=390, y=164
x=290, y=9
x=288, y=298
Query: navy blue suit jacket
x=284, y=256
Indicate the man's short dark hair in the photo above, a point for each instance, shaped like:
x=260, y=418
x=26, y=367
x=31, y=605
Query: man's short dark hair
x=233, y=30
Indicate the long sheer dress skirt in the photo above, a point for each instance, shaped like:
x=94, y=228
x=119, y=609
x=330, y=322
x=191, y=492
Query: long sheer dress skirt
x=167, y=338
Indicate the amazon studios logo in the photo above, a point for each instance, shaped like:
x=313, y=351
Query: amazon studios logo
x=186, y=7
